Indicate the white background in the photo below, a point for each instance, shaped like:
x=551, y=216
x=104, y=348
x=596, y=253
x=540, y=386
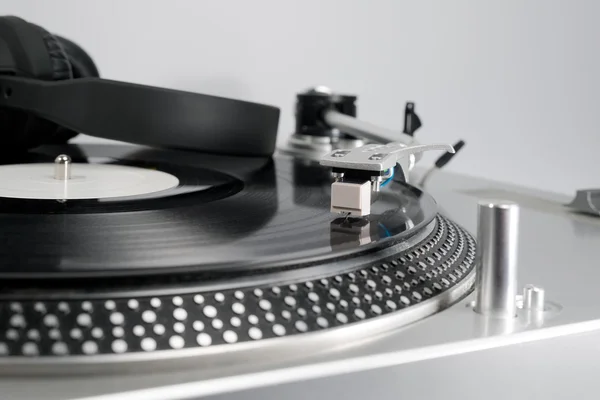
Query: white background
x=517, y=79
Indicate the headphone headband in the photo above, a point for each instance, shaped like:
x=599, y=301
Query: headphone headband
x=147, y=115
x=32, y=84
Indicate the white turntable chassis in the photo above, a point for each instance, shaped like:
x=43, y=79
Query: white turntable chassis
x=453, y=354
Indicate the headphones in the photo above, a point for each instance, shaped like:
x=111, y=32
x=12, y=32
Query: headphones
x=50, y=90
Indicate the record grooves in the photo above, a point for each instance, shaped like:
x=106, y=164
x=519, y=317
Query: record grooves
x=264, y=220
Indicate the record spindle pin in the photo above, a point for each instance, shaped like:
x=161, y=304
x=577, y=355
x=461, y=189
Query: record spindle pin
x=62, y=167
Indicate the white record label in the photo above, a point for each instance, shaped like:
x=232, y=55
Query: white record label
x=88, y=181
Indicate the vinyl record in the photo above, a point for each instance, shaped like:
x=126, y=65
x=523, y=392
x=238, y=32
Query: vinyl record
x=227, y=216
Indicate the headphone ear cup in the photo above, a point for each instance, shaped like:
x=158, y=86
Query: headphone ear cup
x=33, y=131
x=82, y=64
x=37, y=130
x=61, y=66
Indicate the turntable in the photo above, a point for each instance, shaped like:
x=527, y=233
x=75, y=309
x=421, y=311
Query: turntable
x=189, y=268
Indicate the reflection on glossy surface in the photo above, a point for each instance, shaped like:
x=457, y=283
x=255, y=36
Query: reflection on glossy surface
x=246, y=214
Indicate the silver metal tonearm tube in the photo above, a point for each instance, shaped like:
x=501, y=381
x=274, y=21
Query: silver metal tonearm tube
x=497, y=241
x=364, y=129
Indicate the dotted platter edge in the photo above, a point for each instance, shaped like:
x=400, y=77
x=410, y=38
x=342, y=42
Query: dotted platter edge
x=116, y=326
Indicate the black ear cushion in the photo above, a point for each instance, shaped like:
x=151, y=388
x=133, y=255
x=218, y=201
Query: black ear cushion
x=61, y=67
x=81, y=62
x=38, y=130
x=82, y=66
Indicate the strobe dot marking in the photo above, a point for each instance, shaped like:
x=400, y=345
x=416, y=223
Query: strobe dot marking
x=180, y=314
x=176, y=342
x=264, y=304
x=59, y=348
x=219, y=297
x=33, y=334
x=279, y=330
x=16, y=307
x=76, y=333
x=341, y=318
x=334, y=293
x=30, y=349
x=230, y=336
x=97, y=333
x=50, y=320
x=63, y=307
x=198, y=326
x=159, y=329
x=148, y=344
x=149, y=316
x=390, y=304
x=86, y=306
x=177, y=301
x=301, y=326
x=290, y=301
x=118, y=332
x=155, y=302
x=139, y=330
x=204, y=339
x=84, y=319
x=322, y=322
x=117, y=318
x=12, y=334
x=54, y=334
x=119, y=346
x=133, y=304
x=89, y=347
x=217, y=324
x=255, y=333
x=238, y=308
x=17, y=320
x=210, y=311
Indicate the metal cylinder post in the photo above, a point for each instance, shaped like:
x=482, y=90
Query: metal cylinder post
x=62, y=167
x=533, y=298
x=497, y=242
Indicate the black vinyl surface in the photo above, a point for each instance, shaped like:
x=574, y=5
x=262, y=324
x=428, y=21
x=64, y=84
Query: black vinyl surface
x=230, y=214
